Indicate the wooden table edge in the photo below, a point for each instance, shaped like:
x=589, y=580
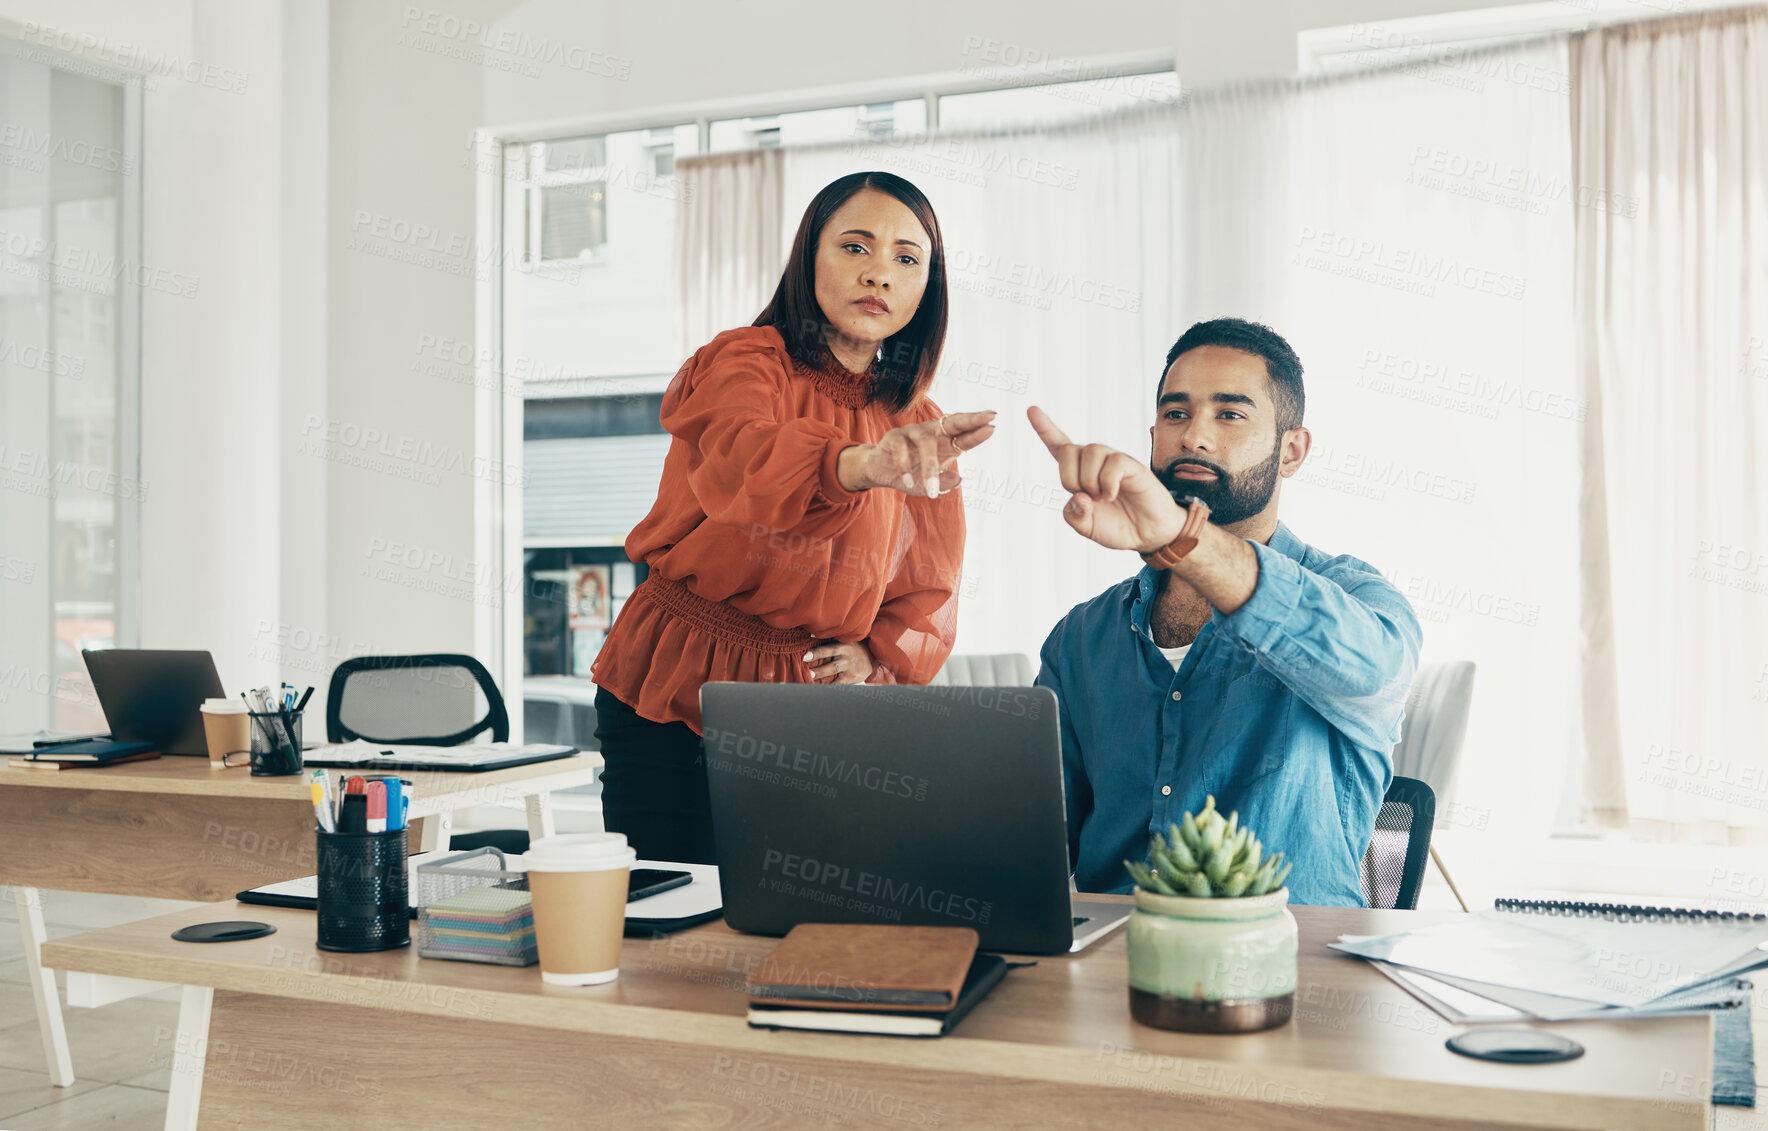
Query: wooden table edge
x=237, y=781
x=1337, y=1091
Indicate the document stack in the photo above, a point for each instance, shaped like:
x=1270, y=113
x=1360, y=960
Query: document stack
x=1558, y=961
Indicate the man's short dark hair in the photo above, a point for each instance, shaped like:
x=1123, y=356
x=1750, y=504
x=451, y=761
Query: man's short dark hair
x=1281, y=365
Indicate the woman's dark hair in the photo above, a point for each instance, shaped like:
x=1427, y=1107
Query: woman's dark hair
x=910, y=357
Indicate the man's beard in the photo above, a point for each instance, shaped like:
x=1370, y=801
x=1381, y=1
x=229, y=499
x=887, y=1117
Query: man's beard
x=1230, y=498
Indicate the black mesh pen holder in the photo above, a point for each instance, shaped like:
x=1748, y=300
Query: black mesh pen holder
x=362, y=897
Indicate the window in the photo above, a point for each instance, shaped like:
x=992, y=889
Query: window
x=573, y=221
x=1056, y=102
x=590, y=293
x=70, y=485
x=661, y=144
x=807, y=127
x=566, y=198
x=588, y=308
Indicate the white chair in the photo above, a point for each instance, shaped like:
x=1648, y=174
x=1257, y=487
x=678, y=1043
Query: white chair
x=1430, y=738
x=1003, y=669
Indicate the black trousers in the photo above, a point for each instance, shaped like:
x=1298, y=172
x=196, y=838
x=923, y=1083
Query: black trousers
x=653, y=784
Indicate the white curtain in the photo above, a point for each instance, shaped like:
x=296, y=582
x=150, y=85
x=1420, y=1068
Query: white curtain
x=1672, y=291
x=729, y=246
x=1428, y=291
x=1410, y=235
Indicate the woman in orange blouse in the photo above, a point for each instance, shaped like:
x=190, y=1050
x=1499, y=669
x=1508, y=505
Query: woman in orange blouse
x=808, y=527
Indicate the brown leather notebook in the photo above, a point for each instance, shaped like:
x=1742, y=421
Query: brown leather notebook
x=861, y=966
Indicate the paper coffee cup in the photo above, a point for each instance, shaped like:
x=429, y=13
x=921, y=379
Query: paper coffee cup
x=228, y=729
x=579, y=888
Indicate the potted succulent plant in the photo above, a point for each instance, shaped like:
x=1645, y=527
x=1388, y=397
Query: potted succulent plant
x=1212, y=944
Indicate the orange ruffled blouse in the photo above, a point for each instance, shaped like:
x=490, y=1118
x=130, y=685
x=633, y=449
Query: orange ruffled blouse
x=758, y=554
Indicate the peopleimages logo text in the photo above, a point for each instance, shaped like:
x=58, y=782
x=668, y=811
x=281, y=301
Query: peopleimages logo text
x=765, y=752
x=830, y=875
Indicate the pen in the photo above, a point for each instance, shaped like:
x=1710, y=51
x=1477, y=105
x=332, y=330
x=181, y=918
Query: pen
x=305, y=695
x=257, y=718
x=354, y=816
x=377, y=806
x=396, y=802
x=320, y=784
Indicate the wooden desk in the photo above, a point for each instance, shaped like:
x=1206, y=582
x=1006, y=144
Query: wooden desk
x=394, y=1040
x=173, y=828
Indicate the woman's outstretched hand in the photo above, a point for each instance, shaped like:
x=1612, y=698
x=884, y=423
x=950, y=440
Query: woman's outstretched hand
x=916, y=459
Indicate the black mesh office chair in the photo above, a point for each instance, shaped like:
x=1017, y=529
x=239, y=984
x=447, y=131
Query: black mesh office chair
x=431, y=700
x=1393, y=864
x=438, y=699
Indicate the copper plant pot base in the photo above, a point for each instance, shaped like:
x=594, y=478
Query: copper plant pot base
x=1240, y=1015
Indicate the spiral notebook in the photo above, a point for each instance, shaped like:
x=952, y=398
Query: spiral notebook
x=1580, y=955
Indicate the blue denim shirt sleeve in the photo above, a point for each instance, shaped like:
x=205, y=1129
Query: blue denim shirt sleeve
x=1339, y=635
x=1077, y=790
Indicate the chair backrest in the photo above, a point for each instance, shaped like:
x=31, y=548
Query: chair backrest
x=559, y=718
x=1393, y=864
x=1003, y=669
x=1436, y=722
x=431, y=700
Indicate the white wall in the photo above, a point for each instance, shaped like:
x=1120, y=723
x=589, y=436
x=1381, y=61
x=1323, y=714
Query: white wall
x=404, y=260
x=211, y=554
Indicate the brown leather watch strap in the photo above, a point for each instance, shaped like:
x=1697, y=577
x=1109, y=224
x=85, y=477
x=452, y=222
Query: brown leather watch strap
x=1174, y=552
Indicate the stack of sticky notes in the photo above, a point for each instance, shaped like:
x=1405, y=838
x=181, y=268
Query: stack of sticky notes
x=481, y=924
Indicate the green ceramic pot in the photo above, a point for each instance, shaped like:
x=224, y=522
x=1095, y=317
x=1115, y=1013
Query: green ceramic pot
x=1212, y=965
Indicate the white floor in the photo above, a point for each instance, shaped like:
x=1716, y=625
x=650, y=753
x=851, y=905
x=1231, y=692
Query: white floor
x=122, y=1053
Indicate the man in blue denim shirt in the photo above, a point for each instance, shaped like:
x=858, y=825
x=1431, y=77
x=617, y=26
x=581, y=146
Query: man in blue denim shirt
x=1253, y=667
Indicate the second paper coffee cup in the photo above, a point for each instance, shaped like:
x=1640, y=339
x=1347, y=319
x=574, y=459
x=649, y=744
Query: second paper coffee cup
x=579, y=888
x=228, y=729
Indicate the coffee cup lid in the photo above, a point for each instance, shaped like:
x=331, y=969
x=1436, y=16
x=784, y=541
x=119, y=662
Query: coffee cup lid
x=224, y=706
x=576, y=852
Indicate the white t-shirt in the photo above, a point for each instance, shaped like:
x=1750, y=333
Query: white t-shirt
x=1175, y=656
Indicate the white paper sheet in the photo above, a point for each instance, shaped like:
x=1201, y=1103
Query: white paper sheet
x=352, y=753
x=1587, y=960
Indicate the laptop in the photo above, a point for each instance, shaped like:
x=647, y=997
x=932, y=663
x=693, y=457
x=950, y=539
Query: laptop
x=924, y=806
x=152, y=695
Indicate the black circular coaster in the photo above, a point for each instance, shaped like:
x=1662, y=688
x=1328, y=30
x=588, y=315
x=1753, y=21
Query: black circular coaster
x=232, y=931
x=1515, y=1046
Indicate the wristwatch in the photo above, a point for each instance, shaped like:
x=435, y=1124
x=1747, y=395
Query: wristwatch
x=1171, y=554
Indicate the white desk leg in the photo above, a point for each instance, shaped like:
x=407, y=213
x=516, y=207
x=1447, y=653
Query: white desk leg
x=188, y=1054
x=55, y=1034
x=437, y=831
x=540, y=815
